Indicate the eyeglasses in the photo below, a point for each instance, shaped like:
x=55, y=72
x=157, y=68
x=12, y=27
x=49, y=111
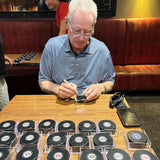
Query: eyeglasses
x=78, y=32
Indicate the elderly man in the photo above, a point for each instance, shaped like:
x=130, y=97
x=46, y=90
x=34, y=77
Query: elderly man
x=82, y=60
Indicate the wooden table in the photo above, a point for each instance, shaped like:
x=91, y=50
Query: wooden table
x=40, y=107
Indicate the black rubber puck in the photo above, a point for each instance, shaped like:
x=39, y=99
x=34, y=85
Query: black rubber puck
x=29, y=138
x=144, y=155
x=91, y=154
x=56, y=139
x=4, y=152
x=79, y=140
x=58, y=154
x=46, y=125
x=66, y=126
x=28, y=153
x=107, y=125
x=7, y=125
x=87, y=126
x=102, y=139
x=7, y=138
x=117, y=154
x=136, y=136
x=27, y=125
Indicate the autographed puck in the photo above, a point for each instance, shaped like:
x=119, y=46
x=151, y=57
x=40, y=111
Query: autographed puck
x=4, y=152
x=27, y=153
x=107, y=125
x=136, y=136
x=56, y=139
x=58, y=154
x=91, y=154
x=27, y=125
x=102, y=139
x=65, y=126
x=7, y=125
x=29, y=138
x=7, y=138
x=144, y=155
x=87, y=126
x=46, y=125
x=79, y=140
x=117, y=154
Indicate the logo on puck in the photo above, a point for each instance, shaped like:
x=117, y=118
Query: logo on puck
x=92, y=156
x=136, y=136
x=56, y=138
x=27, y=154
x=26, y=124
x=145, y=157
x=5, y=125
x=29, y=137
x=102, y=139
x=118, y=156
x=87, y=125
x=5, y=138
x=78, y=139
x=106, y=124
x=46, y=124
x=58, y=155
x=66, y=125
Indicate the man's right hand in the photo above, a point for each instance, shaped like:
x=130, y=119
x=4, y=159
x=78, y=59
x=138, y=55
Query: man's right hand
x=67, y=90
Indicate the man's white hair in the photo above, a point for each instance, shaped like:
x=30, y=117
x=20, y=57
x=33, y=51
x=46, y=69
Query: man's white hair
x=83, y=5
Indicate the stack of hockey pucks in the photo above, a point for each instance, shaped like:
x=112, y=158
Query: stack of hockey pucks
x=117, y=154
x=8, y=125
x=8, y=139
x=144, y=155
x=29, y=138
x=4, y=153
x=87, y=127
x=26, y=125
x=91, y=154
x=103, y=140
x=28, y=153
x=78, y=141
x=137, y=139
x=56, y=140
x=47, y=125
x=107, y=126
x=58, y=154
x=66, y=126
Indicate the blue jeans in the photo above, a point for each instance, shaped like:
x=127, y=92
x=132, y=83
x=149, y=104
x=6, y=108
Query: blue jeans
x=4, y=96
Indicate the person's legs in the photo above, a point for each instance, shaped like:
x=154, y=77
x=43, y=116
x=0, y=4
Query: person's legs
x=4, y=97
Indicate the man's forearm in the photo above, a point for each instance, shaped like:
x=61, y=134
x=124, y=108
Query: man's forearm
x=108, y=86
x=49, y=87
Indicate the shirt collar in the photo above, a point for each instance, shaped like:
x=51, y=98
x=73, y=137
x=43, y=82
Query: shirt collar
x=68, y=47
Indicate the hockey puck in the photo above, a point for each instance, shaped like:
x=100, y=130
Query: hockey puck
x=7, y=125
x=79, y=140
x=46, y=125
x=56, y=139
x=144, y=155
x=29, y=138
x=137, y=138
x=91, y=154
x=4, y=152
x=87, y=126
x=107, y=125
x=7, y=139
x=102, y=140
x=27, y=153
x=27, y=125
x=66, y=126
x=58, y=154
x=117, y=154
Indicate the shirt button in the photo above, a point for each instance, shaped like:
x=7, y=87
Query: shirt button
x=76, y=65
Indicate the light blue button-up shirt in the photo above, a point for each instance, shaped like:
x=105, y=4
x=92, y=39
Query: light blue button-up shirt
x=59, y=62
